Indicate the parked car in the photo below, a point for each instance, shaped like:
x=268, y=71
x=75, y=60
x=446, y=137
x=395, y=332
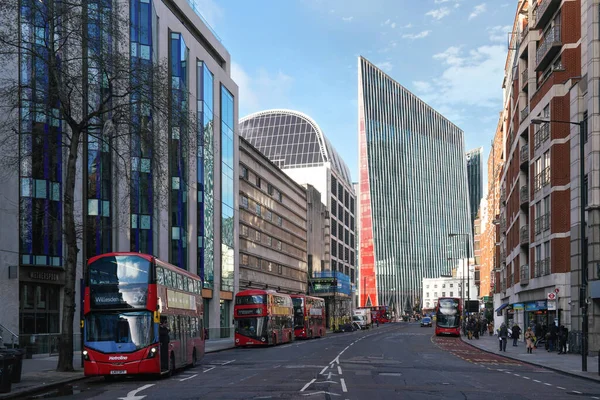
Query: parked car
x=426, y=321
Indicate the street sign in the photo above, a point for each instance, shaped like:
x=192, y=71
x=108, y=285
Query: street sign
x=557, y=290
x=551, y=296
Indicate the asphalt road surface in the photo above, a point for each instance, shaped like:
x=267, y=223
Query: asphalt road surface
x=394, y=361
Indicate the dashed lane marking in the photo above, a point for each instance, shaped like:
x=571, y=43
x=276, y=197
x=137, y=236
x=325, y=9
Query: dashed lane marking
x=344, y=388
x=561, y=388
x=307, y=385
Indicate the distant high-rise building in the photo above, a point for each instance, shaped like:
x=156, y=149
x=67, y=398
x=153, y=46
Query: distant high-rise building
x=412, y=191
x=475, y=180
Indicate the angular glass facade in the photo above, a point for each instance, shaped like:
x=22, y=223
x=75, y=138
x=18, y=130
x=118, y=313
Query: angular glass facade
x=227, y=174
x=205, y=178
x=475, y=180
x=413, y=191
x=178, y=151
x=40, y=172
x=143, y=52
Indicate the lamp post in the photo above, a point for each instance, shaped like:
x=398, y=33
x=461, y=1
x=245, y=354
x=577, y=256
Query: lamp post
x=466, y=235
x=583, y=255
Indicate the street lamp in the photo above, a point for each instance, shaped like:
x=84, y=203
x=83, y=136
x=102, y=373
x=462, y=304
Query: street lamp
x=583, y=256
x=467, y=236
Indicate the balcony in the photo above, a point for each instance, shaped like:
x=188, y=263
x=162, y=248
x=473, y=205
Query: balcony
x=509, y=280
x=502, y=195
x=524, y=79
x=524, y=113
x=502, y=225
x=546, y=266
x=543, y=13
x=549, y=46
x=541, y=135
x=524, y=233
x=524, y=274
x=524, y=155
x=524, y=196
x=503, y=286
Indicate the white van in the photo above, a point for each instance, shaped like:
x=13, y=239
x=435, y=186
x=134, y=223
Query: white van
x=362, y=316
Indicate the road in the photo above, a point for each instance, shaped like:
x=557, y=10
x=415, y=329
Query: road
x=395, y=361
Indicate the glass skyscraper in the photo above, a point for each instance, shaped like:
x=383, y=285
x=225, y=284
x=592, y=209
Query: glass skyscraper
x=412, y=192
x=475, y=181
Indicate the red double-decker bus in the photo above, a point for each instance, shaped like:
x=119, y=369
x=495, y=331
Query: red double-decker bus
x=141, y=316
x=309, y=316
x=380, y=314
x=263, y=317
x=447, y=316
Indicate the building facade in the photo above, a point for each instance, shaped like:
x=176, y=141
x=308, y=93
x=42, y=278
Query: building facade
x=475, y=181
x=537, y=218
x=294, y=142
x=408, y=208
x=273, y=226
x=448, y=286
x=186, y=216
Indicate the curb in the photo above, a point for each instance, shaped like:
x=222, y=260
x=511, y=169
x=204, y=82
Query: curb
x=219, y=350
x=36, y=389
x=533, y=363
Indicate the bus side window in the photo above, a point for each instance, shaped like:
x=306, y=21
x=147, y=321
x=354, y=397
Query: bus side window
x=201, y=323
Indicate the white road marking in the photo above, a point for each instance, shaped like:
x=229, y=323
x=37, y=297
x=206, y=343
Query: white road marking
x=547, y=384
x=132, y=394
x=321, y=392
x=307, y=385
x=206, y=370
x=228, y=362
x=535, y=380
x=517, y=375
x=323, y=370
x=575, y=391
x=526, y=377
x=562, y=388
x=339, y=370
x=593, y=397
x=189, y=377
x=344, y=388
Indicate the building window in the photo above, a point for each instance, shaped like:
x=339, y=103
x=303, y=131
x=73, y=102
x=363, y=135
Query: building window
x=279, y=221
x=269, y=241
x=427, y=295
x=268, y=215
x=443, y=285
x=435, y=294
x=279, y=245
x=244, y=261
x=257, y=236
x=452, y=285
x=435, y=287
x=443, y=294
x=451, y=294
x=258, y=210
x=280, y=269
x=269, y=189
x=243, y=172
x=258, y=181
x=244, y=230
x=243, y=201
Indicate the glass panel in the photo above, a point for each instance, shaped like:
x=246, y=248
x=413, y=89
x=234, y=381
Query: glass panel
x=93, y=207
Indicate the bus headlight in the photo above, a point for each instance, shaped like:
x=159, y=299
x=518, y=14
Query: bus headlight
x=237, y=340
x=152, y=353
x=86, y=356
x=262, y=339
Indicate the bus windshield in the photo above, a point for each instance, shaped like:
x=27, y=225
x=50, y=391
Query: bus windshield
x=119, y=332
x=119, y=282
x=248, y=300
x=448, y=315
x=254, y=328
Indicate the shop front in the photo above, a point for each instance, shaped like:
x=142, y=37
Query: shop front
x=536, y=313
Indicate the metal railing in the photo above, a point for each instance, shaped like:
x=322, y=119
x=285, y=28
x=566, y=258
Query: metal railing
x=542, y=134
x=524, y=234
x=537, y=268
x=524, y=78
x=524, y=194
x=502, y=195
x=551, y=38
x=541, y=9
x=542, y=223
x=197, y=6
x=524, y=153
x=524, y=112
x=524, y=274
x=546, y=266
x=14, y=338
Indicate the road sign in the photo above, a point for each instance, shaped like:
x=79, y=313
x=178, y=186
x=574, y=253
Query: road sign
x=551, y=296
x=557, y=290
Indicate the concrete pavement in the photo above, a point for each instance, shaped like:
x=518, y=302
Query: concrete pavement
x=565, y=363
x=40, y=371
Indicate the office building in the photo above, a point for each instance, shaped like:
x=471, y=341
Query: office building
x=295, y=143
x=273, y=226
x=409, y=207
x=475, y=182
x=186, y=216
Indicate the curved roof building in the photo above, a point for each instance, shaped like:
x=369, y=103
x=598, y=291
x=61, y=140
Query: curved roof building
x=291, y=139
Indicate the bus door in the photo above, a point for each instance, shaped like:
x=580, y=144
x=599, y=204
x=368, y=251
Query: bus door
x=183, y=338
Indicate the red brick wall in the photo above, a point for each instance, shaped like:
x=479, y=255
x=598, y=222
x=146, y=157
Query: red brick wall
x=560, y=261
x=560, y=216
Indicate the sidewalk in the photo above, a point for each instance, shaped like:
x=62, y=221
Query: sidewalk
x=565, y=363
x=40, y=372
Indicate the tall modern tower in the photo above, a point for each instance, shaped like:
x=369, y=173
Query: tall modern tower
x=475, y=181
x=412, y=192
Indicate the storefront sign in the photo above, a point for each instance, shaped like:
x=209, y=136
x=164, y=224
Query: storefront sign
x=535, y=306
x=44, y=276
x=551, y=305
x=518, y=306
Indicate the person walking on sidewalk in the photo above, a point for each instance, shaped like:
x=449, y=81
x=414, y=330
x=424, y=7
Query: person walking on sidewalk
x=516, y=333
x=491, y=328
x=503, y=337
x=530, y=339
x=563, y=336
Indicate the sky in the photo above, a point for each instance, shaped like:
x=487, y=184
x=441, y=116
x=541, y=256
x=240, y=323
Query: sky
x=303, y=55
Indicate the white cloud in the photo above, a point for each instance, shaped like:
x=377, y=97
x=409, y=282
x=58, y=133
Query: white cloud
x=499, y=33
x=393, y=25
x=263, y=90
x=422, y=86
x=419, y=35
x=441, y=1
x=387, y=22
x=347, y=19
x=471, y=79
x=409, y=25
x=438, y=13
x=478, y=10
x=385, y=66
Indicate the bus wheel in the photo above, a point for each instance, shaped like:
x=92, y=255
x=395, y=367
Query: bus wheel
x=194, y=358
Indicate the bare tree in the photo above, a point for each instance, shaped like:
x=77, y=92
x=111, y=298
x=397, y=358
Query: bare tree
x=78, y=83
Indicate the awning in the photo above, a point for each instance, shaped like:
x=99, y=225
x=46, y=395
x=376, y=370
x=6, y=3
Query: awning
x=502, y=307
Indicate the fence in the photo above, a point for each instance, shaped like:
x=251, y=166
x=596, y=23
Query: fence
x=574, y=344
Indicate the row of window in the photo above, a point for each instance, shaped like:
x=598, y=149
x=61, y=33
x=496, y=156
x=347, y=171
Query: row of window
x=344, y=253
x=260, y=210
x=341, y=194
x=451, y=285
x=343, y=233
x=177, y=281
x=249, y=261
x=435, y=294
x=258, y=236
x=274, y=192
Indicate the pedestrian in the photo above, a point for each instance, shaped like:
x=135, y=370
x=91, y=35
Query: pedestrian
x=503, y=337
x=491, y=328
x=477, y=329
x=563, y=336
x=552, y=337
x=530, y=339
x=164, y=339
x=516, y=333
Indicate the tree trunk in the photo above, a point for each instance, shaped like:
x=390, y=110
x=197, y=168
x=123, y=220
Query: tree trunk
x=65, y=345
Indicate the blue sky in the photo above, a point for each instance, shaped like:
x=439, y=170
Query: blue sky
x=302, y=55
